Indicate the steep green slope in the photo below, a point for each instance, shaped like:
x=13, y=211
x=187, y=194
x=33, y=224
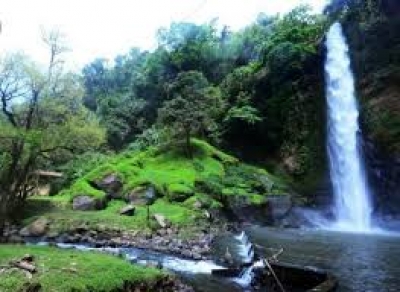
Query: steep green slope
x=184, y=188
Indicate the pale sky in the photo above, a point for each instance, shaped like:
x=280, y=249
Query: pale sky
x=106, y=28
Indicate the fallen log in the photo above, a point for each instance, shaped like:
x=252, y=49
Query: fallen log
x=23, y=265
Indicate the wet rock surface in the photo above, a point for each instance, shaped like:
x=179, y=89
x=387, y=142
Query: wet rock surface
x=384, y=177
x=168, y=284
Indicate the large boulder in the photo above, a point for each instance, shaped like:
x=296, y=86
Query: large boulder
x=142, y=195
x=179, y=192
x=268, y=211
x=87, y=203
x=128, y=210
x=38, y=228
x=111, y=185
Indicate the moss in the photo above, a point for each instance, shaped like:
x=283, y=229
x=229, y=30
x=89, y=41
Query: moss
x=179, y=182
x=179, y=192
x=206, y=201
x=70, y=270
x=384, y=127
x=64, y=219
x=256, y=199
x=209, y=150
x=161, y=169
x=176, y=213
x=81, y=187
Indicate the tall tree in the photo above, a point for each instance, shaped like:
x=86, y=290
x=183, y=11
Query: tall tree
x=193, y=109
x=39, y=121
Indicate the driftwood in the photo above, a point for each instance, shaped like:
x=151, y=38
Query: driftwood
x=267, y=264
x=24, y=265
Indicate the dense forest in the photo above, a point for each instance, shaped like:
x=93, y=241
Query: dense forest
x=210, y=123
x=252, y=92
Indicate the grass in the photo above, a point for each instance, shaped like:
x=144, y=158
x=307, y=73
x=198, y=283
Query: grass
x=179, y=183
x=163, y=169
x=64, y=219
x=70, y=270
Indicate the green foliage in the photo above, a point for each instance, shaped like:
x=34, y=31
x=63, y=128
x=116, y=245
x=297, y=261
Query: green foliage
x=148, y=138
x=223, y=86
x=42, y=123
x=179, y=181
x=64, y=219
x=87, y=270
x=372, y=30
x=179, y=192
x=192, y=110
x=78, y=167
x=245, y=113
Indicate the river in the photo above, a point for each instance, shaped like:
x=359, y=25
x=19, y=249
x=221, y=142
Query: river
x=362, y=263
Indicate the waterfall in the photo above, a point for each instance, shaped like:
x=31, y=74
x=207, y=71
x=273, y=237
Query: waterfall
x=351, y=192
x=245, y=248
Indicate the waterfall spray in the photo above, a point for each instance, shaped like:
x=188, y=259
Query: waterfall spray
x=351, y=192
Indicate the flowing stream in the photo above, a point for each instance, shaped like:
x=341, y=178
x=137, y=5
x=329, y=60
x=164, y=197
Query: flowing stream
x=352, y=198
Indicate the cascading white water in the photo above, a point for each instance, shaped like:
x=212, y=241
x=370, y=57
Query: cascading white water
x=352, y=200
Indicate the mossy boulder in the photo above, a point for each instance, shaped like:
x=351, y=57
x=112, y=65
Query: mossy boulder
x=142, y=195
x=111, y=184
x=179, y=192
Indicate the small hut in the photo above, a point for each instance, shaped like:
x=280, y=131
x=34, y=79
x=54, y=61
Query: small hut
x=42, y=181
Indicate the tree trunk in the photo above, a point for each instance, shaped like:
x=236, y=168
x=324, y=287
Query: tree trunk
x=189, y=150
x=3, y=216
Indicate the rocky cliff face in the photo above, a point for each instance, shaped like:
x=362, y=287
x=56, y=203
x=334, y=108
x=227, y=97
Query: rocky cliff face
x=384, y=177
x=375, y=52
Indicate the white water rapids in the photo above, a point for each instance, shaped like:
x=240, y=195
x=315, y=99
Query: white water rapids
x=351, y=192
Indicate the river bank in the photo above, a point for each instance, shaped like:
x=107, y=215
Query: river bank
x=54, y=269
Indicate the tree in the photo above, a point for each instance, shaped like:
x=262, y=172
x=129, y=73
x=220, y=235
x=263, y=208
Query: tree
x=42, y=119
x=193, y=109
x=238, y=89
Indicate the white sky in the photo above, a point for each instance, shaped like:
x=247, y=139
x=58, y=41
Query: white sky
x=106, y=28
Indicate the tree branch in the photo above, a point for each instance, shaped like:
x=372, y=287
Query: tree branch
x=9, y=115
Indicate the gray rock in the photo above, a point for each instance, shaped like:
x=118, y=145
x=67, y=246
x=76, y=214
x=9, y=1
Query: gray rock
x=162, y=221
x=88, y=203
x=83, y=203
x=138, y=196
x=197, y=205
x=142, y=195
x=128, y=210
x=111, y=184
x=279, y=205
x=37, y=228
